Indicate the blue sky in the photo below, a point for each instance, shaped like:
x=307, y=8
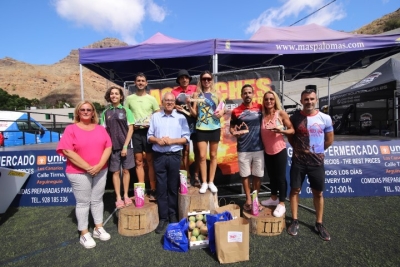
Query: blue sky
x=45, y=31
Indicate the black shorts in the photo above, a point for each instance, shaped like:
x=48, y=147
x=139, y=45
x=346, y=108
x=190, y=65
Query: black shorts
x=208, y=136
x=316, y=176
x=193, y=137
x=139, y=140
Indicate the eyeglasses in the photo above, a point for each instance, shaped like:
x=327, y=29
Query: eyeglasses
x=206, y=79
x=86, y=109
x=270, y=99
x=169, y=100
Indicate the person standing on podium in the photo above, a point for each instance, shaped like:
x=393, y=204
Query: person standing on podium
x=143, y=106
x=182, y=95
x=168, y=132
x=245, y=126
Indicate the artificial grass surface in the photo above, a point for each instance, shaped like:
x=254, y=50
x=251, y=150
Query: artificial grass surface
x=364, y=232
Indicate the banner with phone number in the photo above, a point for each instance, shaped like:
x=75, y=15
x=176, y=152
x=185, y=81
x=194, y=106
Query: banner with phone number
x=352, y=169
x=47, y=184
x=358, y=168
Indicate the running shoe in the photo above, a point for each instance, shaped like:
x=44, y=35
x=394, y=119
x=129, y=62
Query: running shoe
x=293, y=227
x=323, y=233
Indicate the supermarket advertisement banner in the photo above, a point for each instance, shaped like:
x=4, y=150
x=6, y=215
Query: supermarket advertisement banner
x=359, y=168
x=352, y=169
x=47, y=184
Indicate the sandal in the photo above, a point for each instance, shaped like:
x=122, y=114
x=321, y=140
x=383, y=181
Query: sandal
x=188, y=182
x=260, y=208
x=197, y=182
x=128, y=201
x=247, y=207
x=120, y=204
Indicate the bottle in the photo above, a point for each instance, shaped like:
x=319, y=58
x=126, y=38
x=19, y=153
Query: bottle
x=183, y=187
x=138, y=189
x=255, y=208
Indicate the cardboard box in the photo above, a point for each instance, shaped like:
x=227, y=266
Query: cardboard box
x=197, y=244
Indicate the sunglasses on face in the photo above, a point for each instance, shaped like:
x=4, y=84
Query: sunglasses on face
x=270, y=99
x=206, y=79
x=85, y=109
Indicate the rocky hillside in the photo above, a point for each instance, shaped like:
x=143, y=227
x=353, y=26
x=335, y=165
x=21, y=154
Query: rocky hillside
x=56, y=82
x=381, y=25
x=61, y=81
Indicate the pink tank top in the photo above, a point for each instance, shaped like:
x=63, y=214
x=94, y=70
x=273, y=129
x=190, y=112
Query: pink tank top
x=273, y=142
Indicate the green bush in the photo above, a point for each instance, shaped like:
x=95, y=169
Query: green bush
x=391, y=24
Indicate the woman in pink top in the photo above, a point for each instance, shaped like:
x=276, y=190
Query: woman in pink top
x=274, y=124
x=87, y=147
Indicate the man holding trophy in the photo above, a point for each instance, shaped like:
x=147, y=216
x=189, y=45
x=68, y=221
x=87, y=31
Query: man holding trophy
x=245, y=126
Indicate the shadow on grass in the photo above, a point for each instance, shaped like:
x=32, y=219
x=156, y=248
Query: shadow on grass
x=8, y=214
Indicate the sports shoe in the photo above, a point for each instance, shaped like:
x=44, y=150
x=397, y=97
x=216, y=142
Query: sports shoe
x=212, y=187
x=279, y=210
x=323, y=233
x=101, y=234
x=203, y=188
x=87, y=241
x=293, y=227
x=152, y=195
x=270, y=202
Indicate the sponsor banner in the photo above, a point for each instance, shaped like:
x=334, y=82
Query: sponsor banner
x=352, y=169
x=47, y=184
x=359, y=168
x=229, y=85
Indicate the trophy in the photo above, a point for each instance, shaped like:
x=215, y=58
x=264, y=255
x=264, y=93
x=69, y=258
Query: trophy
x=184, y=111
x=278, y=125
x=239, y=129
x=198, y=100
x=145, y=122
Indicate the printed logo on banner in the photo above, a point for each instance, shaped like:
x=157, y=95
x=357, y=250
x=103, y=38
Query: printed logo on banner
x=41, y=160
x=385, y=149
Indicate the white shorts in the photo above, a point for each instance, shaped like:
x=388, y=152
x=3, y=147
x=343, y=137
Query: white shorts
x=251, y=163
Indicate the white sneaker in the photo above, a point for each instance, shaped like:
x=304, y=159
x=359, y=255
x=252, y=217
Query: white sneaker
x=87, y=241
x=101, y=234
x=279, y=210
x=203, y=188
x=213, y=188
x=270, y=202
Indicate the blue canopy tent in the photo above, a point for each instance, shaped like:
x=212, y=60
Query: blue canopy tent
x=307, y=51
x=158, y=57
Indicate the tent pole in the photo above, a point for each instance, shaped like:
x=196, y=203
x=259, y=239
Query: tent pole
x=81, y=76
x=282, y=83
x=329, y=94
x=215, y=63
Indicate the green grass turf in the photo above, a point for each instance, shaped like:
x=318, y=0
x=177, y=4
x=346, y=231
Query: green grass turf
x=364, y=232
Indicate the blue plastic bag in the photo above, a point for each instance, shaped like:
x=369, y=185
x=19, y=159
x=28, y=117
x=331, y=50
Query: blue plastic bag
x=175, y=237
x=211, y=219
